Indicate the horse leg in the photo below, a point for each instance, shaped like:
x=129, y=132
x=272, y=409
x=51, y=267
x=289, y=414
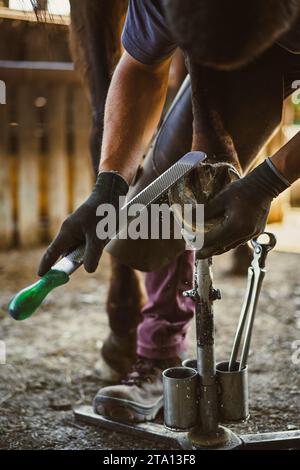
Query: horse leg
x=96, y=48
x=209, y=132
x=223, y=103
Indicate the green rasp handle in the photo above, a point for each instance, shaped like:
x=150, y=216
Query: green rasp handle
x=25, y=303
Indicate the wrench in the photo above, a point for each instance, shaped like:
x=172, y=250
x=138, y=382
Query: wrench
x=256, y=274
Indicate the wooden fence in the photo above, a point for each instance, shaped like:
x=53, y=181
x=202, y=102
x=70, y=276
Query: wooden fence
x=45, y=169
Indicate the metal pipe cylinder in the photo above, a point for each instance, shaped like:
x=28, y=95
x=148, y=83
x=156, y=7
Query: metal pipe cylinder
x=192, y=363
x=180, y=398
x=206, y=365
x=233, y=392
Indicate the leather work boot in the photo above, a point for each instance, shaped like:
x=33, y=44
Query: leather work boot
x=139, y=397
x=117, y=356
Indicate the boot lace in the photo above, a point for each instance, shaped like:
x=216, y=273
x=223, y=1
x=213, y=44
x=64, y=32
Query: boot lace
x=142, y=371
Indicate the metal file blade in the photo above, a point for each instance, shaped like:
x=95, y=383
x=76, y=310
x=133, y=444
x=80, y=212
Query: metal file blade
x=153, y=192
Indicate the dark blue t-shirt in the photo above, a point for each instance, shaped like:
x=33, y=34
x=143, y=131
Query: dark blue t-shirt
x=147, y=38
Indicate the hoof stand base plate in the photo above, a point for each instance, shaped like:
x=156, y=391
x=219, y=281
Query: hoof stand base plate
x=193, y=441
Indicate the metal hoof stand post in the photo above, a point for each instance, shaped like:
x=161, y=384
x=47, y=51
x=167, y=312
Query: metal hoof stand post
x=202, y=394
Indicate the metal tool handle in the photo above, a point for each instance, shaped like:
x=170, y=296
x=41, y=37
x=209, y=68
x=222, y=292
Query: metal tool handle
x=252, y=309
x=262, y=249
x=256, y=274
x=242, y=321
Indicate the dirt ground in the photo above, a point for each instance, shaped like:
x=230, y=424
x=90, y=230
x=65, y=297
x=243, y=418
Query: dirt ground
x=51, y=357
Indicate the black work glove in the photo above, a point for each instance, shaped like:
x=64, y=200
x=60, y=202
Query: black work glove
x=80, y=227
x=242, y=209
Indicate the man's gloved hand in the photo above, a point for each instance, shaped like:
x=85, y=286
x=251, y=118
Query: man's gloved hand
x=242, y=209
x=80, y=227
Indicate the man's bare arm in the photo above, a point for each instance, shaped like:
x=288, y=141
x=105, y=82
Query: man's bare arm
x=134, y=105
x=287, y=159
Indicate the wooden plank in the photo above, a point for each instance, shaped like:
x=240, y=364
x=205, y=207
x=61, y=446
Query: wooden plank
x=81, y=160
x=279, y=205
x=20, y=15
x=44, y=65
x=20, y=71
x=276, y=142
x=295, y=194
x=28, y=175
x=57, y=175
x=6, y=198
